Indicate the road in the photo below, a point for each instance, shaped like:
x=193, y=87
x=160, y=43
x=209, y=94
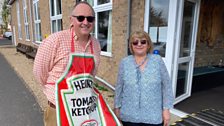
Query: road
x=17, y=104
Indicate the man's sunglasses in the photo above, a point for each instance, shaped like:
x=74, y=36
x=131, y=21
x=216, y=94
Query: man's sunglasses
x=82, y=18
x=143, y=42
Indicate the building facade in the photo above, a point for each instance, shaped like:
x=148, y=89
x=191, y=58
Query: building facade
x=185, y=32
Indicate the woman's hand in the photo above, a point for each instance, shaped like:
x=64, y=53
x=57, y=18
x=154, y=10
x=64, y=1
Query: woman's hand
x=117, y=112
x=166, y=117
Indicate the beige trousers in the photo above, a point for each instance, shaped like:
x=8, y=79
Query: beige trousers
x=50, y=117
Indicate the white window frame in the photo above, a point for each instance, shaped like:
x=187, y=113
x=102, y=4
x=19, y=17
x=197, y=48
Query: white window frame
x=55, y=17
x=170, y=32
x=18, y=20
x=26, y=21
x=101, y=8
x=37, y=21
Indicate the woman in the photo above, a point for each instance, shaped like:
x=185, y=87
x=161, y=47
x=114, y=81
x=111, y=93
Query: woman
x=143, y=94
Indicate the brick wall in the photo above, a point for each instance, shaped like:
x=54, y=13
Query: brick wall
x=137, y=15
x=109, y=65
x=67, y=6
x=15, y=20
x=206, y=55
x=210, y=36
x=45, y=17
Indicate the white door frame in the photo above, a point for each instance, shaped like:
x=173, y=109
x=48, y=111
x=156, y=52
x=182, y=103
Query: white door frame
x=173, y=42
x=171, y=35
x=189, y=58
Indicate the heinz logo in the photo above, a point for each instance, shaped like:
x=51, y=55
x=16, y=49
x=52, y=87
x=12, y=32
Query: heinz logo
x=90, y=123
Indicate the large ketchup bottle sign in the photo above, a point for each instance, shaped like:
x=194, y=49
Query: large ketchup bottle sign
x=80, y=104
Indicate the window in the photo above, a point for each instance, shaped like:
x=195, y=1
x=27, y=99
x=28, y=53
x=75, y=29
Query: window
x=103, y=24
x=157, y=23
x=18, y=20
x=26, y=20
x=56, y=16
x=37, y=21
x=99, y=2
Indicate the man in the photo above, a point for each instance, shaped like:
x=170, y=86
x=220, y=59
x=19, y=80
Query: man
x=53, y=56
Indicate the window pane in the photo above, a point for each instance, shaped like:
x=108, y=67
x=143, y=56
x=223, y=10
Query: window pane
x=40, y=37
x=187, y=29
x=158, y=24
x=24, y=3
x=102, y=1
x=25, y=16
x=27, y=32
x=52, y=8
x=59, y=24
x=35, y=11
x=20, y=31
x=182, y=79
x=38, y=32
x=91, y=2
x=54, y=26
x=24, y=12
x=58, y=4
x=103, y=19
x=38, y=11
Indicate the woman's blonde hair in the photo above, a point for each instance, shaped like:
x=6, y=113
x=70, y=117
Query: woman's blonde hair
x=141, y=35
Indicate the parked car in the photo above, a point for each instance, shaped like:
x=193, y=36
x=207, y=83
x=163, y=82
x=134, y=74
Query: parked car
x=8, y=34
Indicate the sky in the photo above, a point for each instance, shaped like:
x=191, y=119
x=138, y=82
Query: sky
x=162, y=5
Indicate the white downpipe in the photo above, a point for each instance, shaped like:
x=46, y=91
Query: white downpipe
x=128, y=24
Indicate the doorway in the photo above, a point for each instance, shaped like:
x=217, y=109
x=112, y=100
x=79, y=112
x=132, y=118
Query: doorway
x=207, y=82
x=185, y=48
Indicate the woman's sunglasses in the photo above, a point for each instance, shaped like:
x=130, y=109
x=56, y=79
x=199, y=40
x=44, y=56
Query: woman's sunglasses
x=143, y=42
x=82, y=18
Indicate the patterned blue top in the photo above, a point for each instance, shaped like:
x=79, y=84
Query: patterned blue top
x=142, y=98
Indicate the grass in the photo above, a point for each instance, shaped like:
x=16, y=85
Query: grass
x=101, y=88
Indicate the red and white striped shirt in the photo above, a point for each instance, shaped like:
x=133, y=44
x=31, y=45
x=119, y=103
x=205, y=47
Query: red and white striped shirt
x=52, y=58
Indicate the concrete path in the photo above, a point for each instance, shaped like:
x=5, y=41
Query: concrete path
x=17, y=104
